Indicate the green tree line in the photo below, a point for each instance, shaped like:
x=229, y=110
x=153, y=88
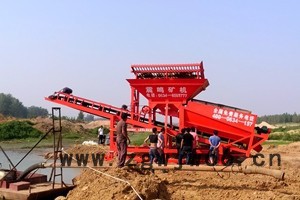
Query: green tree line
x=10, y=106
x=280, y=118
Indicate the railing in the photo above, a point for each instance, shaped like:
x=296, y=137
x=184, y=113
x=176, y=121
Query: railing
x=192, y=71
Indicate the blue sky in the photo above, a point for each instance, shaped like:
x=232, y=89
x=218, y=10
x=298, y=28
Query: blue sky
x=250, y=49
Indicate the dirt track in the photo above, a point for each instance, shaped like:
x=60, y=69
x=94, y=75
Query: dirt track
x=194, y=185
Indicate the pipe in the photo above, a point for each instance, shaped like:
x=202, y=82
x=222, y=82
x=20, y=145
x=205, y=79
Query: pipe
x=30, y=169
x=260, y=170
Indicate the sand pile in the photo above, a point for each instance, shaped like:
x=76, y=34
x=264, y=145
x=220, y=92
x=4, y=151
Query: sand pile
x=95, y=124
x=94, y=186
x=6, y=119
x=266, y=124
x=45, y=124
x=87, y=149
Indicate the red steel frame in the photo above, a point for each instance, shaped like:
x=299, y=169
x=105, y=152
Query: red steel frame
x=170, y=89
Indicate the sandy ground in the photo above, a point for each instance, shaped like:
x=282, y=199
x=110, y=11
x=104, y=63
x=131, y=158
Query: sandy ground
x=180, y=185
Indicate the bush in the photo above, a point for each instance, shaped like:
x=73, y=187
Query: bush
x=295, y=137
x=285, y=136
x=275, y=137
x=106, y=130
x=138, y=138
x=18, y=130
x=285, y=128
x=280, y=129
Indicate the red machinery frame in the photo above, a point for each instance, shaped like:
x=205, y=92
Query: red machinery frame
x=170, y=89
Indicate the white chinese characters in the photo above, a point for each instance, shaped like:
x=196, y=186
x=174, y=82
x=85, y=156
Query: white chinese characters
x=165, y=92
x=233, y=116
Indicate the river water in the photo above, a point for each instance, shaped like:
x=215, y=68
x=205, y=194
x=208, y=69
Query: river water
x=36, y=156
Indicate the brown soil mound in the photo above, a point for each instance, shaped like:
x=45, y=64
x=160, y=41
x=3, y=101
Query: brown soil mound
x=94, y=186
x=293, y=147
x=95, y=124
x=45, y=124
x=42, y=124
x=90, y=149
x=6, y=119
x=2, y=118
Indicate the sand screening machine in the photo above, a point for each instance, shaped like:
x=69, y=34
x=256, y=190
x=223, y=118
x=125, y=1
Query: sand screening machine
x=170, y=90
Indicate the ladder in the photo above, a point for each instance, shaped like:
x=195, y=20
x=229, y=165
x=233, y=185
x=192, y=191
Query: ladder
x=57, y=147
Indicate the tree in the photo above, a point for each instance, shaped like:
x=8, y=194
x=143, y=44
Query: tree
x=89, y=118
x=280, y=118
x=34, y=111
x=10, y=106
x=17, y=109
x=80, y=116
x=5, y=101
